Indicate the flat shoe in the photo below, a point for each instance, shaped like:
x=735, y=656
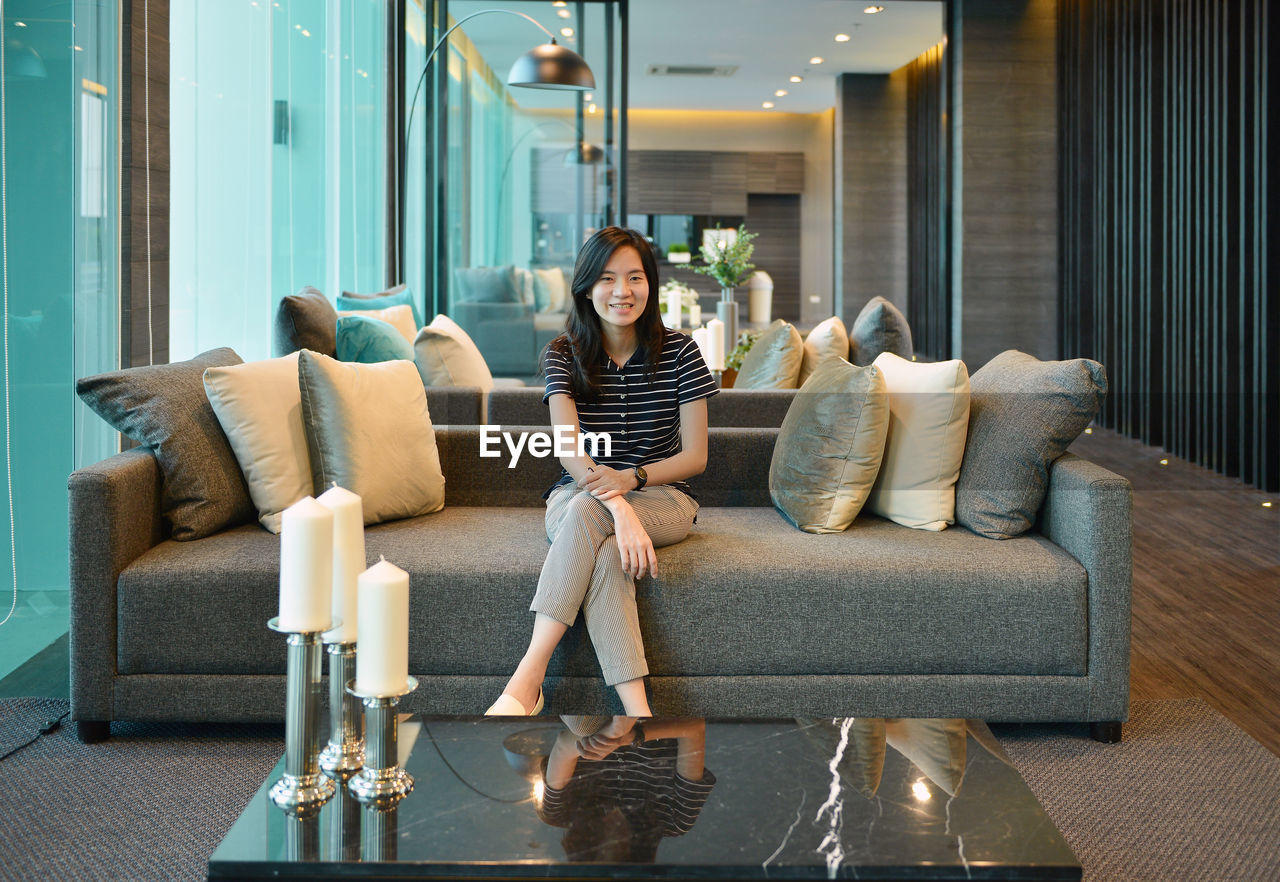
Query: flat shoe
x=508, y=706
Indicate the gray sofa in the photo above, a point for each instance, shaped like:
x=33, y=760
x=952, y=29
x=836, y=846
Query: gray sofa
x=749, y=616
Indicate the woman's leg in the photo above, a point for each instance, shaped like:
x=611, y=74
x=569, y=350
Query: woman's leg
x=526, y=682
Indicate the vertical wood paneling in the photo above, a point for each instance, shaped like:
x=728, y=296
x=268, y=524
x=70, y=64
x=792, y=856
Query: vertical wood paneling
x=1167, y=250
x=928, y=271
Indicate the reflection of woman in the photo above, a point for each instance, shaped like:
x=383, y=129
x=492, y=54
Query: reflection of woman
x=616, y=371
x=621, y=790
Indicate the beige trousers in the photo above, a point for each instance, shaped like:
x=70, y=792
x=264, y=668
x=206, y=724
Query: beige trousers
x=583, y=569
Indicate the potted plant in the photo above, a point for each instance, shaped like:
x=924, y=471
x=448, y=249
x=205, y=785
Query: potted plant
x=733, y=361
x=678, y=252
x=728, y=262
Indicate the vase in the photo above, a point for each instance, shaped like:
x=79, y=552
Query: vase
x=727, y=312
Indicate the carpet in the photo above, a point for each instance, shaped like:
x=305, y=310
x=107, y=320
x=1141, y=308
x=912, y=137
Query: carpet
x=1186, y=795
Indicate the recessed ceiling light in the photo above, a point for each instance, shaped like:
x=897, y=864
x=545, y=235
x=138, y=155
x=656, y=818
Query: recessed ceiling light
x=872, y=10
x=566, y=32
x=558, y=3
x=780, y=93
x=817, y=59
x=563, y=13
x=19, y=24
x=842, y=38
x=797, y=79
x=767, y=105
x=588, y=97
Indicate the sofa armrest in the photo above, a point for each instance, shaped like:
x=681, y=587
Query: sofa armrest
x=114, y=518
x=1088, y=513
x=765, y=408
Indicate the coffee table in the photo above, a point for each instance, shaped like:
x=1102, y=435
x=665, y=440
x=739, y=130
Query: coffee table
x=789, y=799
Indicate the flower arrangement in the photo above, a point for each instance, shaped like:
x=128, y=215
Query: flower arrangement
x=746, y=339
x=688, y=296
x=729, y=263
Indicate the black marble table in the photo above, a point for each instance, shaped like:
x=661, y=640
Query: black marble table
x=762, y=799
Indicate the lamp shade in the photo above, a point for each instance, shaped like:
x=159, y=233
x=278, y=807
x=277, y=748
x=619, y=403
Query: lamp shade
x=551, y=66
x=584, y=154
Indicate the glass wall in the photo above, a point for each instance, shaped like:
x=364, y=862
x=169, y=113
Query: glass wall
x=59, y=108
x=278, y=133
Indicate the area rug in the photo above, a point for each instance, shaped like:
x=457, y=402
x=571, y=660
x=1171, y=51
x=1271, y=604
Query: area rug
x=1186, y=795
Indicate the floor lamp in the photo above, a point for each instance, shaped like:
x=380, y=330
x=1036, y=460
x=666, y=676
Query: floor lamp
x=548, y=66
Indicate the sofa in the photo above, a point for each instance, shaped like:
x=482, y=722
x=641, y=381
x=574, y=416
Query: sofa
x=748, y=617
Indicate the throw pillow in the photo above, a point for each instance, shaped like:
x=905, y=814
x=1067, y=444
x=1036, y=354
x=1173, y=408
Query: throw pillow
x=524, y=284
x=260, y=410
x=369, y=340
x=859, y=742
x=773, y=361
x=487, y=284
x=446, y=356
x=396, y=296
x=550, y=290
x=939, y=748
x=1024, y=414
x=399, y=317
x=880, y=327
x=305, y=320
x=164, y=407
x=368, y=430
x=928, y=421
x=829, y=447
x=827, y=338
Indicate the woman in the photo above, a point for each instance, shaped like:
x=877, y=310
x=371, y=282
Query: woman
x=615, y=370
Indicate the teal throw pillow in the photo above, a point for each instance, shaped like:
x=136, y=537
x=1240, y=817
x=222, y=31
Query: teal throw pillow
x=488, y=284
x=369, y=340
x=396, y=296
x=773, y=361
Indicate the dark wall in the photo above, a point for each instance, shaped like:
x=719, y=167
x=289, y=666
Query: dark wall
x=928, y=229
x=1169, y=259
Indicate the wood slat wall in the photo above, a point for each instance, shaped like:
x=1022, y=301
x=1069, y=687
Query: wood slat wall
x=144, y=198
x=928, y=270
x=1168, y=258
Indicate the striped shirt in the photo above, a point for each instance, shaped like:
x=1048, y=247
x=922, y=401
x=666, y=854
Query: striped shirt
x=641, y=418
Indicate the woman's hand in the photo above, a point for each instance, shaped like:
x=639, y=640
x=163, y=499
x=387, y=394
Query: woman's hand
x=596, y=747
x=634, y=545
x=605, y=483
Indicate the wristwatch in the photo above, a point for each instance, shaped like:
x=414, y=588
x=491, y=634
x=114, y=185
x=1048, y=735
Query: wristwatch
x=642, y=476
x=637, y=735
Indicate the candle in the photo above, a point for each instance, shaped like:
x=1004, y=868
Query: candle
x=674, y=301
x=715, y=344
x=382, y=664
x=306, y=566
x=348, y=559
x=700, y=337
x=695, y=315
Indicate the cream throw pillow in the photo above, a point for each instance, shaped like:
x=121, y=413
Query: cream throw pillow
x=447, y=356
x=368, y=430
x=928, y=423
x=827, y=338
x=399, y=317
x=939, y=748
x=260, y=410
x=556, y=286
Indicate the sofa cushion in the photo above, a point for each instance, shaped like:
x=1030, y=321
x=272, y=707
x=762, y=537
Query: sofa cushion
x=368, y=430
x=550, y=290
x=260, y=410
x=399, y=317
x=879, y=327
x=446, y=356
x=1024, y=414
x=488, y=284
x=877, y=599
x=773, y=361
x=369, y=340
x=394, y=296
x=928, y=420
x=827, y=338
x=164, y=407
x=830, y=447
x=306, y=320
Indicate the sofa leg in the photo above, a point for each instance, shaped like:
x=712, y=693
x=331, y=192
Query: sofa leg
x=93, y=731
x=1108, y=732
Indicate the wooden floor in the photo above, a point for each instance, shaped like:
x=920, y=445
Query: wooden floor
x=1206, y=585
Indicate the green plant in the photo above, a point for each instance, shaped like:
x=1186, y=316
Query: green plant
x=746, y=340
x=727, y=263
x=677, y=248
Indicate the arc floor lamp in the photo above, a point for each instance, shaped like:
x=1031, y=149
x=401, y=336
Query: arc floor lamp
x=547, y=66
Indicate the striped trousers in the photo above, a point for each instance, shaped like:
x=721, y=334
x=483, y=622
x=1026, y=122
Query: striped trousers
x=583, y=569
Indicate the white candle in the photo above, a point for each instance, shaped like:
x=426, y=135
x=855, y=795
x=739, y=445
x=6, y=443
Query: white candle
x=715, y=344
x=674, y=300
x=306, y=566
x=695, y=315
x=700, y=337
x=348, y=559
x=382, y=664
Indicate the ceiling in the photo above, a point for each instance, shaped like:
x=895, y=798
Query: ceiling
x=767, y=41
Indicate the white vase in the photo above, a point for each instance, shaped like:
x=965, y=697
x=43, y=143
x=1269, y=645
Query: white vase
x=759, y=298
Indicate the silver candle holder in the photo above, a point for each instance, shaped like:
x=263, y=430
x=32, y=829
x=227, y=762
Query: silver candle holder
x=382, y=781
x=345, y=751
x=302, y=787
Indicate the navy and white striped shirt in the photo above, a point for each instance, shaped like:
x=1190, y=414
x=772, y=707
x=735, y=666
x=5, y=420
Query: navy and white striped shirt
x=641, y=417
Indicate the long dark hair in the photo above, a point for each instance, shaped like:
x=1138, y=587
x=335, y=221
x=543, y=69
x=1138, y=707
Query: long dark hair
x=583, y=341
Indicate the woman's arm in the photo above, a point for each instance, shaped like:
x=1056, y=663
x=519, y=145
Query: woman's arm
x=564, y=418
x=606, y=483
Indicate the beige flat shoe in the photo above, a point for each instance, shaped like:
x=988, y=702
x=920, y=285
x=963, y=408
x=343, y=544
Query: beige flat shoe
x=507, y=706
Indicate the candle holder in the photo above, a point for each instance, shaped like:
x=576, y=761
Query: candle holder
x=345, y=751
x=380, y=831
x=302, y=787
x=342, y=839
x=381, y=781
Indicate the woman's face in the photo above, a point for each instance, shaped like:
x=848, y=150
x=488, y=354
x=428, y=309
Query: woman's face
x=621, y=292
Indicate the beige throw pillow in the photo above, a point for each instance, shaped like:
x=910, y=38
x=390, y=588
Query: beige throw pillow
x=555, y=288
x=260, y=410
x=368, y=430
x=447, y=356
x=827, y=338
x=399, y=317
x=928, y=423
x=939, y=748
x=829, y=447
x=773, y=361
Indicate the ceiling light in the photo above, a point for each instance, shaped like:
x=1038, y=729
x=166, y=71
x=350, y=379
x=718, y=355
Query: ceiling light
x=563, y=13
x=19, y=24
x=559, y=3
x=842, y=38
x=591, y=108
x=780, y=93
x=768, y=105
x=306, y=33
x=1266, y=504
x=817, y=59
x=872, y=10
x=588, y=97
x=797, y=79
x=1164, y=462
x=566, y=32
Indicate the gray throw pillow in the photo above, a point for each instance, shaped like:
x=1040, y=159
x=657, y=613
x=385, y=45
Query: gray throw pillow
x=830, y=446
x=306, y=320
x=164, y=407
x=488, y=284
x=1023, y=414
x=773, y=361
x=880, y=327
